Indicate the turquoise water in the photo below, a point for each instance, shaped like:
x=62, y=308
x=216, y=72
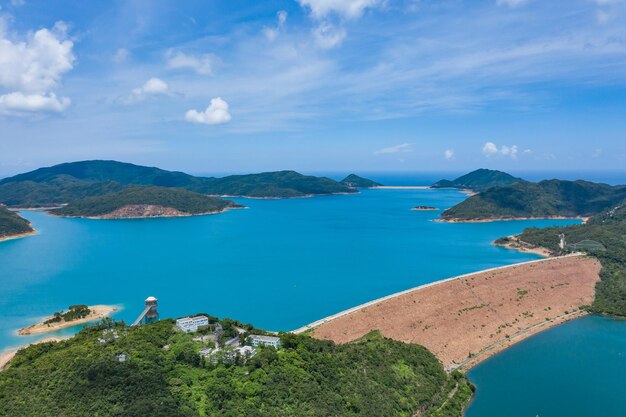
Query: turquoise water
x=279, y=264
x=577, y=369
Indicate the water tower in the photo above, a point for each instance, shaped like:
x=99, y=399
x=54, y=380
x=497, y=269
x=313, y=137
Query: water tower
x=151, y=310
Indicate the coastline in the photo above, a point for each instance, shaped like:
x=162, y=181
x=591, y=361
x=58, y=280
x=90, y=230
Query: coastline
x=18, y=236
x=97, y=312
x=464, y=320
x=7, y=356
x=507, y=219
x=165, y=216
x=515, y=244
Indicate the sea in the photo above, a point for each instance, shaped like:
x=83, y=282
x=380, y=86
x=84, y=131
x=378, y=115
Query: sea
x=281, y=264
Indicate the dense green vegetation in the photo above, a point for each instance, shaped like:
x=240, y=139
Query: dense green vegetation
x=181, y=200
x=73, y=181
x=479, y=180
x=609, y=229
x=546, y=198
x=165, y=376
x=354, y=181
x=12, y=224
x=74, y=312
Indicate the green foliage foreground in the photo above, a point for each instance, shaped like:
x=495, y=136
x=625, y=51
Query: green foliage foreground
x=165, y=376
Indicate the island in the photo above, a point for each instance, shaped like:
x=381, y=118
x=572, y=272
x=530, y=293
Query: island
x=548, y=199
x=354, y=181
x=12, y=225
x=73, y=181
x=479, y=180
x=143, y=202
x=424, y=208
x=167, y=368
x=75, y=315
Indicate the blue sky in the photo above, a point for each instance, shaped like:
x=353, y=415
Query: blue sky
x=314, y=85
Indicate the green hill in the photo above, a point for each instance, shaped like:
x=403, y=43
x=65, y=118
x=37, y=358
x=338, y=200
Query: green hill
x=354, y=181
x=69, y=182
x=183, y=201
x=479, y=180
x=607, y=228
x=164, y=376
x=544, y=199
x=12, y=224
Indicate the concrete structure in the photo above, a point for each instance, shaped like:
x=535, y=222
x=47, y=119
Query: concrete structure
x=258, y=340
x=150, y=313
x=191, y=324
x=122, y=357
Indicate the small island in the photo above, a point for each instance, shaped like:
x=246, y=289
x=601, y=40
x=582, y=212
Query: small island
x=75, y=315
x=355, y=181
x=424, y=208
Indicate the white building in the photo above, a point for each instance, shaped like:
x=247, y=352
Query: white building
x=191, y=324
x=265, y=341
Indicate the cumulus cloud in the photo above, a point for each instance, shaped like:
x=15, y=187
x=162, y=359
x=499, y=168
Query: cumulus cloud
x=201, y=64
x=328, y=36
x=448, y=154
x=346, y=8
x=32, y=68
x=217, y=113
x=20, y=102
x=491, y=149
x=151, y=88
x=401, y=148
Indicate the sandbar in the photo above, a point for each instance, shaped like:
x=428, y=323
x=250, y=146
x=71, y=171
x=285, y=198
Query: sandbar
x=97, y=312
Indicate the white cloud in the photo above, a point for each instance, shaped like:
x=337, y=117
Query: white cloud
x=38, y=63
x=346, y=8
x=402, y=148
x=121, y=55
x=490, y=149
x=328, y=36
x=201, y=64
x=272, y=33
x=448, y=154
x=151, y=88
x=217, y=113
x=31, y=68
x=19, y=102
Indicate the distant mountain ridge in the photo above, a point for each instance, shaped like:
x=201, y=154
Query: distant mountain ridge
x=72, y=181
x=479, y=180
x=548, y=198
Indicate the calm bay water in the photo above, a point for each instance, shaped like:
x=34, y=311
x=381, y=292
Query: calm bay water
x=577, y=369
x=279, y=264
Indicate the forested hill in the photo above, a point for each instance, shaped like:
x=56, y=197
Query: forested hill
x=479, y=180
x=145, y=201
x=550, y=198
x=608, y=229
x=355, y=181
x=69, y=182
x=12, y=224
x=164, y=376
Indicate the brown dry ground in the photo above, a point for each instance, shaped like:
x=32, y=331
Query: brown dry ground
x=466, y=320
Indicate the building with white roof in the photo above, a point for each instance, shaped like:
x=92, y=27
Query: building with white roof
x=258, y=340
x=191, y=324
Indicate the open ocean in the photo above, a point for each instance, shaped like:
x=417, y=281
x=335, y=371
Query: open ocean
x=281, y=264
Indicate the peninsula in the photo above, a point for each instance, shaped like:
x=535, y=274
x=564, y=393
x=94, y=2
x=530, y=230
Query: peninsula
x=354, y=181
x=143, y=202
x=75, y=315
x=12, y=225
x=479, y=180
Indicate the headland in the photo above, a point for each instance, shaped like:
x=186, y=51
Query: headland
x=96, y=312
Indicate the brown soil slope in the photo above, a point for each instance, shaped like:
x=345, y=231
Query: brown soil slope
x=466, y=320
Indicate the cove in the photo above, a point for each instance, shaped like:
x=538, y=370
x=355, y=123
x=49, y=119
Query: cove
x=280, y=264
